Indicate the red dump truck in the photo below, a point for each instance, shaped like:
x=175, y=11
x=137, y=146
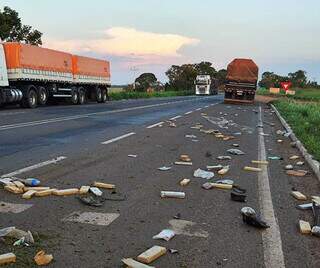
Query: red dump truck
x=241, y=81
x=32, y=75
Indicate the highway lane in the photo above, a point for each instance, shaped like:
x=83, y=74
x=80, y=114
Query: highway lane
x=216, y=235
x=32, y=136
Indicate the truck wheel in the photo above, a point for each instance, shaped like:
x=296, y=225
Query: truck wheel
x=82, y=96
x=104, y=96
x=42, y=96
x=30, y=99
x=98, y=95
x=74, y=96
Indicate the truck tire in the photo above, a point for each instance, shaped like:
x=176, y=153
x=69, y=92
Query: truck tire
x=42, y=95
x=104, y=96
x=30, y=98
x=74, y=96
x=98, y=95
x=81, y=96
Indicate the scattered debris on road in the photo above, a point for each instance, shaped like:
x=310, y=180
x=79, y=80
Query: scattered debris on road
x=275, y=158
x=250, y=217
x=171, y=194
x=252, y=169
x=260, y=162
x=184, y=182
x=304, y=227
x=131, y=263
x=164, y=168
x=104, y=185
x=224, y=157
x=299, y=196
x=235, y=152
x=165, y=234
x=224, y=170
x=13, y=232
x=288, y=167
x=181, y=163
x=297, y=173
x=199, y=173
x=294, y=157
x=42, y=258
x=238, y=197
x=152, y=254
x=216, y=167
x=7, y=258
x=132, y=155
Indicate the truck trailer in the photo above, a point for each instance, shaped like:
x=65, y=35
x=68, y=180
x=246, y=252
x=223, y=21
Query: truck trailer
x=32, y=75
x=241, y=81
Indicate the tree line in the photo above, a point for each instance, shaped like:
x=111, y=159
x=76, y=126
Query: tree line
x=298, y=79
x=180, y=77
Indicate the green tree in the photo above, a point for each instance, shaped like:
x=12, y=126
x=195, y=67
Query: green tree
x=12, y=30
x=144, y=81
x=298, y=78
x=221, y=76
x=205, y=67
x=181, y=77
x=270, y=79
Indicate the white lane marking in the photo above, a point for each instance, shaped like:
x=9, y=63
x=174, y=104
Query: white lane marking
x=68, y=118
x=190, y=112
x=198, y=109
x=155, y=125
x=95, y=218
x=11, y=113
x=119, y=138
x=271, y=237
x=13, y=208
x=176, y=117
x=36, y=166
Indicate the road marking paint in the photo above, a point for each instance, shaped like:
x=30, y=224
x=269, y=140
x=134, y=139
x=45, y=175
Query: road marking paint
x=75, y=117
x=182, y=227
x=155, y=125
x=95, y=218
x=13, y=208
x=176, y=117
x=119, y=138
x=36, y=166
x=190, y=112
x=199, y=109
x=11, y=113
x=271, y=237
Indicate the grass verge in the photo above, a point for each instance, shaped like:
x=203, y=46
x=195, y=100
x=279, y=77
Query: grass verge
x=139, y=95
x=305, y=94
x=304, y=119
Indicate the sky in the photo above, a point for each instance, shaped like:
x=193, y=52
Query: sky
x=151, y=35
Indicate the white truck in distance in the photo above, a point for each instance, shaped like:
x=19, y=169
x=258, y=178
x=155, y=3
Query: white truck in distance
x=204, y=85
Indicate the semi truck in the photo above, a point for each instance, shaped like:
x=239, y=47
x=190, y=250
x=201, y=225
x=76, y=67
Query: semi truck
x=32, y=76
x=241, y=81
x=204, y=85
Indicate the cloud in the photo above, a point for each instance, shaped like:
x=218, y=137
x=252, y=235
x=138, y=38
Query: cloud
x=130, y=43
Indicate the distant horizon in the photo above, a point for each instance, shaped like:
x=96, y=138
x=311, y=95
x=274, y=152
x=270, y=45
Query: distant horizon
x=151, y=35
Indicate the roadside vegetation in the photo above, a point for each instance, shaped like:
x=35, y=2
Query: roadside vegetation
x=303, y=94
x=304, y=119
x=139, y=95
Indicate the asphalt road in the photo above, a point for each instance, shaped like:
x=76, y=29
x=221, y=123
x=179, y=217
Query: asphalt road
x=210, y=231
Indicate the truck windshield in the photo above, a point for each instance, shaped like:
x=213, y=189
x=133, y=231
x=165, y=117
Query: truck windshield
x=203, y=82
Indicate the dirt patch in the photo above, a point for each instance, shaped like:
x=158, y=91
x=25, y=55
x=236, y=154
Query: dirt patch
x=264, y=99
